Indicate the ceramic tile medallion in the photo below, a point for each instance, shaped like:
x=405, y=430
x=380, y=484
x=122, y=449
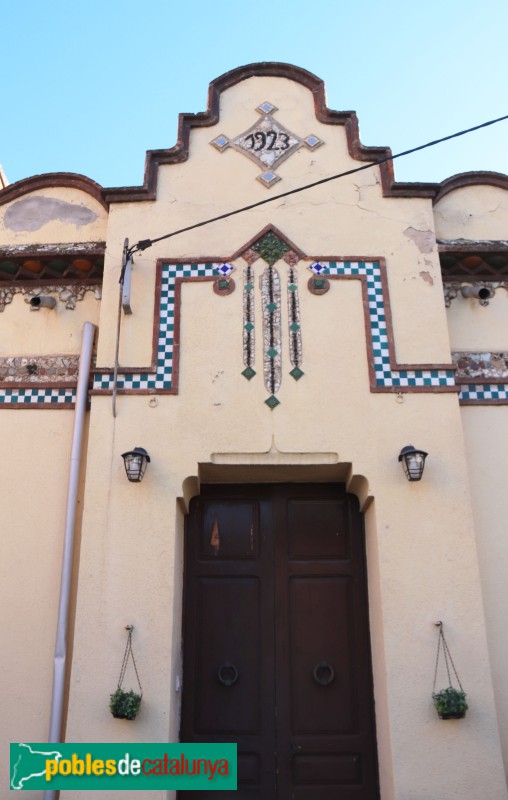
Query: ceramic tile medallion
x=267, y=142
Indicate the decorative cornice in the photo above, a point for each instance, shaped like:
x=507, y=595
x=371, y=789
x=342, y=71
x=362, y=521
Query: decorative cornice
x=68, y=293
x=38, y=370
x=67, y=180
x=57, y=249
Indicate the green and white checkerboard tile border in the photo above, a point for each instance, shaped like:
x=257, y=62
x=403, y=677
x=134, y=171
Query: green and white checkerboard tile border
x=162, y=378
x=483, y=393
x=36, y=397
x=385, y=376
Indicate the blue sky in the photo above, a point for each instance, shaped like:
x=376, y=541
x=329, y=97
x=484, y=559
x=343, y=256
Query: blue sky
x=88, y=87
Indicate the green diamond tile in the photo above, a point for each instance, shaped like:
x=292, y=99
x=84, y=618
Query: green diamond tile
x=248, y=326
x=272, y=352
x=249, y=287
x=271, y=307
x=296, y=373
x=295, y=326
x=248, y=373
x=292, y=287
x=272, y=402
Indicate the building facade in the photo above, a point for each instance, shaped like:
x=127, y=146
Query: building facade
x=281, y=574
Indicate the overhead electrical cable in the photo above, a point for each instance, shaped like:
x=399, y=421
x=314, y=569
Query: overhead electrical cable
x=143, y=244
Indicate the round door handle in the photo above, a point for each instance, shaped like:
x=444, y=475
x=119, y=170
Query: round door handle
x=323, y=673
x=227, y=674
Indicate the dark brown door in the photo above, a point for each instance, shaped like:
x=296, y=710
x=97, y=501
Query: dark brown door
x=276, y=640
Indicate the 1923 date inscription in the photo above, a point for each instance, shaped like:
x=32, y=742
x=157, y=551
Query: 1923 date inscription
x=267, y=140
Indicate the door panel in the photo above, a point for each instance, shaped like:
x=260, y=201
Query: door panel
x=229, y=637
x=276, y=640
x=320, y=664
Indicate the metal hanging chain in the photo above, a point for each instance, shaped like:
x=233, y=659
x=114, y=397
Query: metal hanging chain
x=447, y=658
x=129, y=652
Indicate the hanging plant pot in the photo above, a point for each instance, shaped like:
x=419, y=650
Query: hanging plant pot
x=124, y=705
x=450, y=703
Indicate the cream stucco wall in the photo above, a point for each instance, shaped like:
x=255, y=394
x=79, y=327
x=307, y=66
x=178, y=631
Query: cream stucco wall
x=421, y=548
x=485, y=431
x=38, y=444
x=34, y=495
x=472, y=212
x=481, y=213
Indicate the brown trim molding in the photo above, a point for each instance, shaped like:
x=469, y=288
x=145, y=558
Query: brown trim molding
x=68, y=180
x=348, y=119
x=186, y=122
x=463, y=179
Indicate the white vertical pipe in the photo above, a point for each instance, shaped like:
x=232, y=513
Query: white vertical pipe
x=60, y=657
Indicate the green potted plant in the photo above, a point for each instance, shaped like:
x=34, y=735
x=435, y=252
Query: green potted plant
x=450, y=703
x=124, y=705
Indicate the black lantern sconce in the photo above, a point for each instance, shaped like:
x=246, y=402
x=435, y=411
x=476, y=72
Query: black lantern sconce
x=135, y=463
x=413, y=461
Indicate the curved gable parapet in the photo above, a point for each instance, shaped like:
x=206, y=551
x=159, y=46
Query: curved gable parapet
x=186, y=122
x=463, y=179
x=50, y=180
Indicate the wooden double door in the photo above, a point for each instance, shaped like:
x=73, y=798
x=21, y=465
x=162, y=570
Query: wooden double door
x=276, y=640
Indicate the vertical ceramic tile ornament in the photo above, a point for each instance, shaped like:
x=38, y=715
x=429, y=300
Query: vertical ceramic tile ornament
x=249, y=338
x=272, y=340
x=295, y=332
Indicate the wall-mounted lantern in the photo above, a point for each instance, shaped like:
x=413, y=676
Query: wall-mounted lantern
x=135, y=463
x=413, y=461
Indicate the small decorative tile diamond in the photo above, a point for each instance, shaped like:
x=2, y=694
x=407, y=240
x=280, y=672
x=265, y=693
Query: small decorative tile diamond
x=296, y=373
x=268, y=179
x=248, y=373
x=272, y=402
x=221, y=142
x=223, y=270
x=313, y=141
x=266, y=108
